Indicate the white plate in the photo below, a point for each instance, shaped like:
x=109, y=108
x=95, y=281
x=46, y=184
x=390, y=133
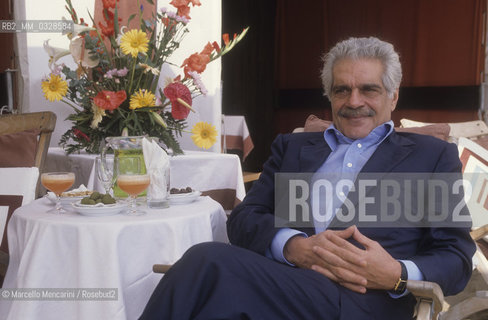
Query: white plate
x=183, y=198
x=98, y=210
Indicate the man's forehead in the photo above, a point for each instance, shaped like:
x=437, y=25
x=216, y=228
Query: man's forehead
x=363, y=72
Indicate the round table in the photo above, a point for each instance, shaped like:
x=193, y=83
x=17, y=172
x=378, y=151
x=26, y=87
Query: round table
x=107, y=252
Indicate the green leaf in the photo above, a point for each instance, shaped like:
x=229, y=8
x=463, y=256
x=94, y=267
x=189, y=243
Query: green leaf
x=130, y=18
x=116, y=21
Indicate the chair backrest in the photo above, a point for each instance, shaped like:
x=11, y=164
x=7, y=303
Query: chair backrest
x=44, y=121
x=467, y=129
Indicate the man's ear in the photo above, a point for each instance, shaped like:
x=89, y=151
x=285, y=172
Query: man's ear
x=394, y=100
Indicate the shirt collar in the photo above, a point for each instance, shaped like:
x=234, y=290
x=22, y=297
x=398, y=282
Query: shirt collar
x=334, y=137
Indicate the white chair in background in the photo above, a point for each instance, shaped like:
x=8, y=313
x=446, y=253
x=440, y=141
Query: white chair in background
x=19, y=181
x=17, y=188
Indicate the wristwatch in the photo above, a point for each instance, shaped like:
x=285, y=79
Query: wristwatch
x=401, y=284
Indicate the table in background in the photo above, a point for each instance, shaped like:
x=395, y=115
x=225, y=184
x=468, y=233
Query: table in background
x=215, y=174
x=74, y=251
x=235, y=135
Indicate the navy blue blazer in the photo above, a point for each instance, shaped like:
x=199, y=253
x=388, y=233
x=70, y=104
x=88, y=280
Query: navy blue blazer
x=443, y=255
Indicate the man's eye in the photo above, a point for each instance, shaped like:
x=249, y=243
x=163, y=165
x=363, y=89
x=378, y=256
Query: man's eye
x=340, y=91
x=370, y=90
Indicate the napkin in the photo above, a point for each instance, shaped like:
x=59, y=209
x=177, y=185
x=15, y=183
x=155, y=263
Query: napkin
x=157, y=166
x=52, y=196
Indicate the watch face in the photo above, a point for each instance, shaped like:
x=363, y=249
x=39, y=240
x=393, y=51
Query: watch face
x=400, y=286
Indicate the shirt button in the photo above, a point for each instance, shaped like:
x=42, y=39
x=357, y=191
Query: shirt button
x=342, y=194
x=349, y=164
x=359, y=145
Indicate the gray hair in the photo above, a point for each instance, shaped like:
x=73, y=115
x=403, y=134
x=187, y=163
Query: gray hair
x=357, y=48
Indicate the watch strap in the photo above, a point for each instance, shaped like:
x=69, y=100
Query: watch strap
x=401, y=284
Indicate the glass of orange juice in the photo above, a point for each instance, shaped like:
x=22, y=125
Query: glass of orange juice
x=57, y=182
x=132, y=180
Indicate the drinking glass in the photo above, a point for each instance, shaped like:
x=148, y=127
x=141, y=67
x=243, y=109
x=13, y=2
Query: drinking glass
x=57, y=182
x=131, y=180
x=105, y=173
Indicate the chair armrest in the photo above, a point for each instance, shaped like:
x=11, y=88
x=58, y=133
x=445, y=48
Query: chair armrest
x=430, y=291
x=479, y=233
x=161, y=268
x=250, y=176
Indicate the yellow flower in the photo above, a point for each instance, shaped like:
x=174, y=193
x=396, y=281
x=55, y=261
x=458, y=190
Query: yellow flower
x=98, y=114
x=141, y=99
x=54, y=88
x=134, y=42
x=204, y=135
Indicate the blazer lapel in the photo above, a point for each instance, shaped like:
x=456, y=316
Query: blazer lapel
x=388, y=154
x=313, y=155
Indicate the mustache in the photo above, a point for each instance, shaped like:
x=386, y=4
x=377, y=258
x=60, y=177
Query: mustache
x=356, y=112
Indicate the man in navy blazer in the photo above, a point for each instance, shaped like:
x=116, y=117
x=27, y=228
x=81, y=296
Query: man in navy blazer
x=326, y=272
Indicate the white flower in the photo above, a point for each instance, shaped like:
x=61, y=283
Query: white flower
x=123, y=29
x=77, y=29
x=80, y=54
x=197, y=82
x=148, y=68
x=54, y=54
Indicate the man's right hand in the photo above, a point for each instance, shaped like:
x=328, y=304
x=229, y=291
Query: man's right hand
x=338, y=266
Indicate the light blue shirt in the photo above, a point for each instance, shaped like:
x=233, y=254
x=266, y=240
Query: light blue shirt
x=345, y=161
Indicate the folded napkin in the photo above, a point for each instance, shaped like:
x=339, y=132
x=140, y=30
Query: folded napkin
x=157, y=166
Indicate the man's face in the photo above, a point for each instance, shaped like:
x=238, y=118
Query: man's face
x=359, y=100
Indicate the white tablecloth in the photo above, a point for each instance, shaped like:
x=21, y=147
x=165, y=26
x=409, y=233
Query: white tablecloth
x=74, y=251
x=215, y=174
x=235, y=135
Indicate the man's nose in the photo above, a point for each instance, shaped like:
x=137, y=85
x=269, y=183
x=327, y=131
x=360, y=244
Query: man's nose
x=355, y=98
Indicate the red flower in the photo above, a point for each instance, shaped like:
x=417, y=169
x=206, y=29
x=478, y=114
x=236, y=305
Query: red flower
x=109, y=17
x=198, y=61
x=225, y=37
x=184, y=12
x=80, y=134
x=107, y=30
x=109, y=100
x=108, y=4
x=208, y=49
x=183, y=6
x=179, y=3
x=176, y=90
x=216, y=46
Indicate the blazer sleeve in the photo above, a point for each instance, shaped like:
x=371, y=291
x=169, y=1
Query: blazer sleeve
x=251, y=223
x=445, y=255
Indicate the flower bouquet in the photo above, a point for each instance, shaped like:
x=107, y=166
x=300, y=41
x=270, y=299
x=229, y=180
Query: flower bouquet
x=114, y=89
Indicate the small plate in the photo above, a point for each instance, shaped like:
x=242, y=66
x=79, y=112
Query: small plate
x=98, y=210
x=183, y=198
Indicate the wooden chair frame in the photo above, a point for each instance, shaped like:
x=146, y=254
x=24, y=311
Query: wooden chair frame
x=431, y=302
x=44, y=121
